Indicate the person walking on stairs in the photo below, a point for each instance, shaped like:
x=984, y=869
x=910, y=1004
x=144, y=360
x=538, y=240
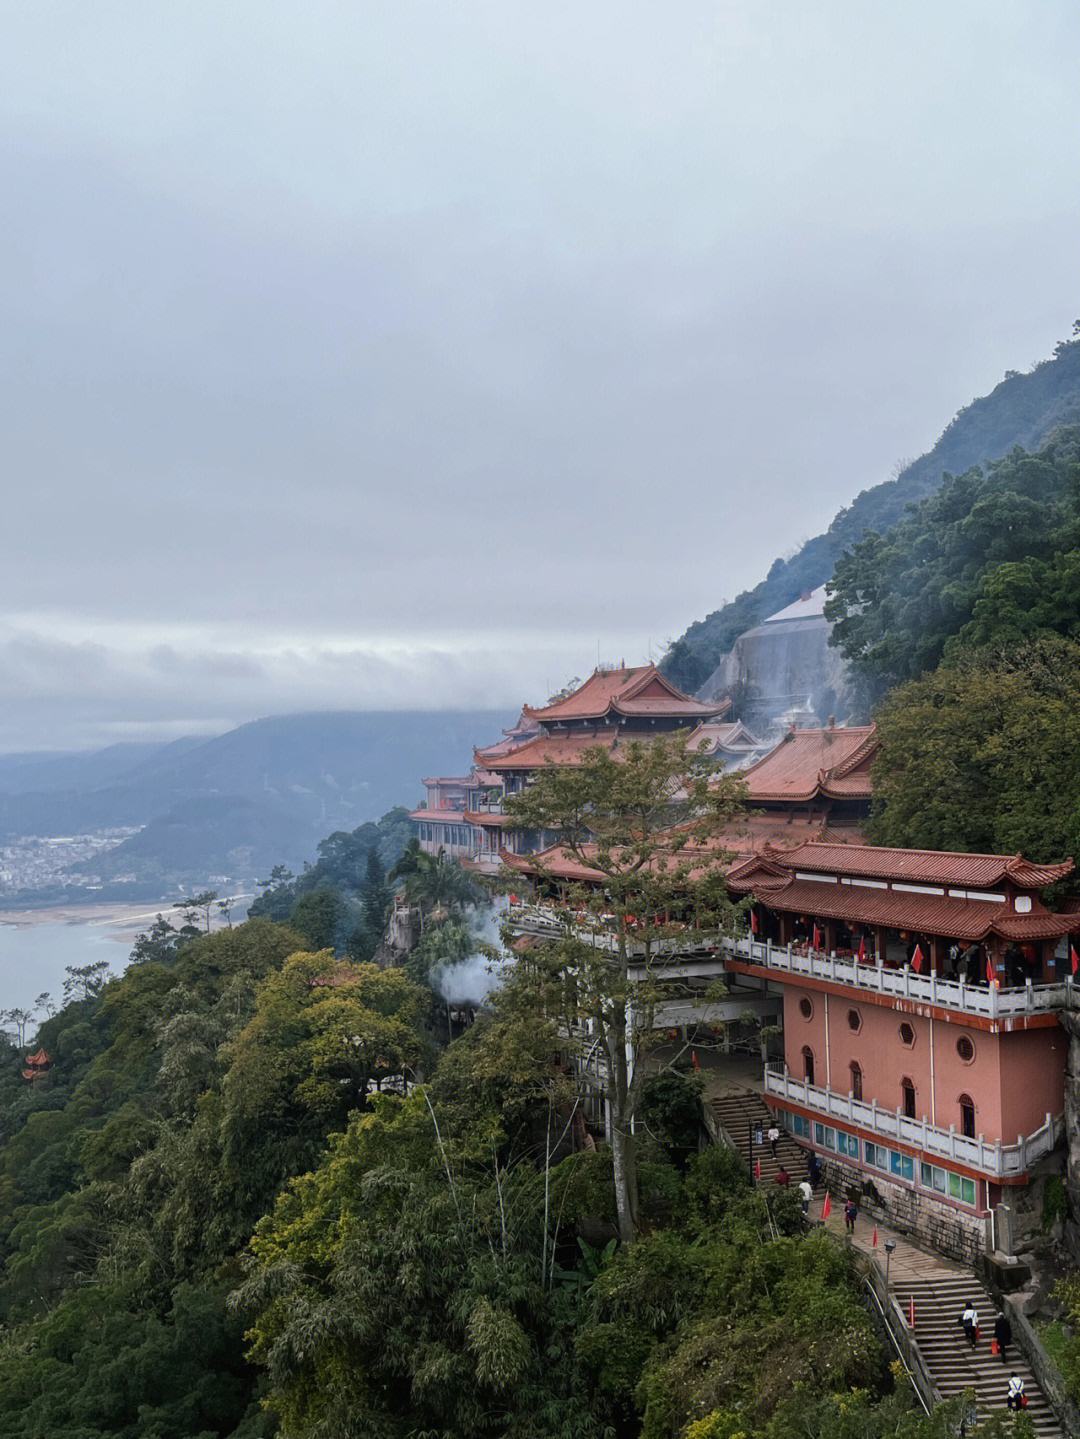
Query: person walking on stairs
x=970, y=1321
x=851, y=1213
x=1015, y=1397
x=774, y=1138
x=806, y=1193
x=783, y=1178
x=1002, y=1335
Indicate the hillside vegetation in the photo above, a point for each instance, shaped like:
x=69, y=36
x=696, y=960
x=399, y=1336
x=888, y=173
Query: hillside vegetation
x=1022, y=411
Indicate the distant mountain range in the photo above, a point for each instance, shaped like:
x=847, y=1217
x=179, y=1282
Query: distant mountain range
x=237, y=804
x=1023, y=410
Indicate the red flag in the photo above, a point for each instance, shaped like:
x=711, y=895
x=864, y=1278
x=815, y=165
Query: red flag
x=917, y=959
x=1074, y=958
x=873, y=1239
x=991, y=977
x=757, y=1168
x=753, y=920
x=818, y=943
x=911, y=1312
x=861, y=951
x=695, y=1063
x=826, y=1208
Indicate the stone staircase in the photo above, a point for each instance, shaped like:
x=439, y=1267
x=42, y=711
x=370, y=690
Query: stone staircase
x=940, y=1295
x=939, y=1287
x=738, y=1112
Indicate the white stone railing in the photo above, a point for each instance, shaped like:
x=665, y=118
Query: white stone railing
x=990, y=1157
x=552, y=922
x=989, y=1001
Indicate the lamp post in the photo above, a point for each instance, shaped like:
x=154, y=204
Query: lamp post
x=890, y=1245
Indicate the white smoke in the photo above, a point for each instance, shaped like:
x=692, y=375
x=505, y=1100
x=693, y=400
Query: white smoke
x=472, y=980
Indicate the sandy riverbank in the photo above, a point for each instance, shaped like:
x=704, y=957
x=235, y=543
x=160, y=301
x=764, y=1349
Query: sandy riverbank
x=123, y=917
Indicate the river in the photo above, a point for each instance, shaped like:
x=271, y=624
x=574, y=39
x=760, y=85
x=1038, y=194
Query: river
x=36, y=946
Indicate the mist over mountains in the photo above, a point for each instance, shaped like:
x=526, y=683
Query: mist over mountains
x=263, y=793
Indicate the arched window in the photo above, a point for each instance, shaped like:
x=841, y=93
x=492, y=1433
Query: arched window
x=856, y=1079
x=967, y=1116
x=808, y=1064
x=907, y=1094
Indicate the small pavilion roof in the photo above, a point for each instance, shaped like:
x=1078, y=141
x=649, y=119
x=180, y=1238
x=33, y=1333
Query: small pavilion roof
x=639, y=690
x=39, y=1059
x=833, y=762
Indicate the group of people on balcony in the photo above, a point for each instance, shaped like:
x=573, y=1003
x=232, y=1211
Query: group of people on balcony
x=969, y=962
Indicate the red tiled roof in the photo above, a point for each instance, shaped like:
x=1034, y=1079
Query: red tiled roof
x=441, y=816
x=39, y=1059
x=550, y=749
x=924, y=866
x=784, y=831
x=458, y=779
x=474, y=817
x=555, y=861
x=967, y=919
x=812, y=762
x=641, y=690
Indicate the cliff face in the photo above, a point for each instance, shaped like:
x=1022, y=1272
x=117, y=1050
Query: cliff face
x=784, y=670
x=1071, y=1023
x=1023, y=410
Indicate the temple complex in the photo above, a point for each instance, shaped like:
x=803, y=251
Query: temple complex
x=465, y=817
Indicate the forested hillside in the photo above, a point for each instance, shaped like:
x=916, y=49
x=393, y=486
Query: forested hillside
x=1023, y=410
x=962, y=627
x=213, y=1224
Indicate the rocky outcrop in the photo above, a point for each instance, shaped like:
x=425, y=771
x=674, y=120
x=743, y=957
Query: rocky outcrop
x=1071, y=1023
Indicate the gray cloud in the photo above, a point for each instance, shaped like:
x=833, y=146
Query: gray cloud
x=391, y=353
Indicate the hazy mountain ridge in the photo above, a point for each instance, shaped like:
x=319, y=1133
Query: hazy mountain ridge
x=1022, y=410
x=240, y=802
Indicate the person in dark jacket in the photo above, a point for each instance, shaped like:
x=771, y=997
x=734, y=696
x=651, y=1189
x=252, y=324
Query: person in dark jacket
x=971, y=960
x=1016, y=971
x=1003, y=1334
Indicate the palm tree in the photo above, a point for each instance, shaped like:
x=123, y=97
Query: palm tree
x=437, y=882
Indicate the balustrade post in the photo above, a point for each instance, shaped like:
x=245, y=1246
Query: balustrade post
x=907, y=981
x=933, y=986
x=1029, y=995
x=994, y=992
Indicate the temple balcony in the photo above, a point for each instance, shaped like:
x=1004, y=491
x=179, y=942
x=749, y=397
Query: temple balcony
x=993, y=1158
x=989, y=1002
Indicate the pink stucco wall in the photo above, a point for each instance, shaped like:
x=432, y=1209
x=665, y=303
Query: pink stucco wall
x=1032, y=1079
x=1014, y=1079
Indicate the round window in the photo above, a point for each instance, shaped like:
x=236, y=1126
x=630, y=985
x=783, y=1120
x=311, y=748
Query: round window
x=854, y=1020
x=806, y=1009
x=907, y=1034
x=965, y=1049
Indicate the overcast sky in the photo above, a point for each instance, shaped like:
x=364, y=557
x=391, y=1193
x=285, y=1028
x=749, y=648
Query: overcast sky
x=380, y=354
